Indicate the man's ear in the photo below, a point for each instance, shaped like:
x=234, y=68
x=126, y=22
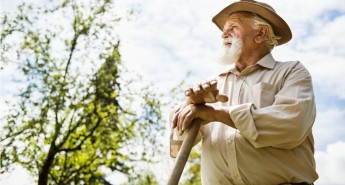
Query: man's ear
x=261, y=34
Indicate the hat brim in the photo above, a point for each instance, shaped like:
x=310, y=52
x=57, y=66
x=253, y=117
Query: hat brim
x=280, y=27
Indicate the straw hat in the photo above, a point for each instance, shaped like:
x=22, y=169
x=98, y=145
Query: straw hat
x=280, y=27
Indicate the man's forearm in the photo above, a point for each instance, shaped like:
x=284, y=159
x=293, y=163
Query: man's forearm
x=222, y=114
x=210, y=114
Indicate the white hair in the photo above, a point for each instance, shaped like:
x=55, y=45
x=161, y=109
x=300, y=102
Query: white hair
x=271, y=38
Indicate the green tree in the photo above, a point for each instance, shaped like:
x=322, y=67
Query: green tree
x=146, y=178
x=80, y=111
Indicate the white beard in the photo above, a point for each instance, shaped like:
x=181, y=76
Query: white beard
x=230, y=55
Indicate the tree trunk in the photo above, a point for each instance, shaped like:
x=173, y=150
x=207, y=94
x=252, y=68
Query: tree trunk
x=43, y=175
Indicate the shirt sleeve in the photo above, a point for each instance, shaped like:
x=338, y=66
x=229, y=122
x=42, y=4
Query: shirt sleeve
x=287, y=122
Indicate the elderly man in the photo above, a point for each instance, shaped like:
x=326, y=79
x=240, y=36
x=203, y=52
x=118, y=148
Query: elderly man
x=257, y=115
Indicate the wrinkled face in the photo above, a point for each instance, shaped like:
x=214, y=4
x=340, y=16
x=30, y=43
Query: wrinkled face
x=238, y=36
x=239, y=25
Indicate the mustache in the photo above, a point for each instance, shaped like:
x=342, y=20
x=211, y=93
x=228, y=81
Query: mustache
x=228, y=40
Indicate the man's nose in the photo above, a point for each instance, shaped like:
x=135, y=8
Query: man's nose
x=225, y=35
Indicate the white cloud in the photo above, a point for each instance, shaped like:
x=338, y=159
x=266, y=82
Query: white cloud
x=168, y=39
x=326, y=37
x=331, y=164
x=305, y=11
x=329, y=127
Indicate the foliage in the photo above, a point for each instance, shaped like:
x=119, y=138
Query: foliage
x=80, y=110
x=145, y=178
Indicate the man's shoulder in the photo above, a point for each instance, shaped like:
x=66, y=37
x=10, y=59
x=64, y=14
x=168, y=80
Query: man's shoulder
x=289, y=64
x=291, y=67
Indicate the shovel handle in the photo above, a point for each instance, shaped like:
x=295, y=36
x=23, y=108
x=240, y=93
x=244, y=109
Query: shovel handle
x=184, y=152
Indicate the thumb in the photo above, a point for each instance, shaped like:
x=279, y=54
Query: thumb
x=222, y=98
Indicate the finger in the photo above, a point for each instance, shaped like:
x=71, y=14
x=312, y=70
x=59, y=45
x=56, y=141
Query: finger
x=186, y=116
x=188, y=119
x=213, y=82
x=189, y=116
x=197, y=88
x=189, y=92
x=206, y=85
x=176, y=116
x=179, y=122
x=222, y=98
x=213, y=85
x=175, y=120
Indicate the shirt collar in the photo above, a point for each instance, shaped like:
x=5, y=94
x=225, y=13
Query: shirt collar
x=267, y=61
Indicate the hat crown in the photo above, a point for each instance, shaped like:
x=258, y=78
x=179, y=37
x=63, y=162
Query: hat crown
x=267, y=6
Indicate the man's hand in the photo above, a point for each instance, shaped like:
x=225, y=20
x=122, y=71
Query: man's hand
x=195, y=107
x=183, y=117
x=206, y=92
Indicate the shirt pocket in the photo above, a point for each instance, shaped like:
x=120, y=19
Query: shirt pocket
x=263, y=94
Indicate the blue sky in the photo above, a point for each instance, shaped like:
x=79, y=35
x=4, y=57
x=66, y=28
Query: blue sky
x=166, y=39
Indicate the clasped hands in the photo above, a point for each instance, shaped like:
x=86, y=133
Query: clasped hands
x=195, y=105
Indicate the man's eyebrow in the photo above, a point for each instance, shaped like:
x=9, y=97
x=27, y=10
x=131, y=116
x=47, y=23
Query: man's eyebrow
x=230, y=25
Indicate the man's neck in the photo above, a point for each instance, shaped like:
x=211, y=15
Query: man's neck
x=250, y=58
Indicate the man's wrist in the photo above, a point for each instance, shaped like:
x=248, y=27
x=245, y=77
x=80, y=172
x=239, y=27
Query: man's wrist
x=222, y=115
